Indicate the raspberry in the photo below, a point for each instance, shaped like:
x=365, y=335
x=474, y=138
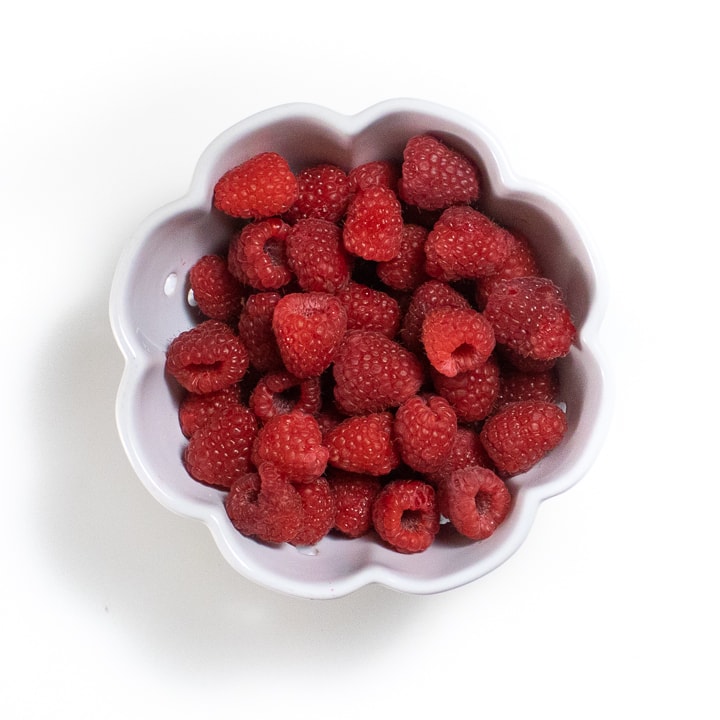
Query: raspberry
x=260, y=187
x=373, y=373
x=309, y=328
x=354, y=496
x=435, y=176
x=197, y=408
x=264, y=506
x=316, y=255
x=466, y=450
x=292, y=442
x=207, y=357
x=464, y=243
x=522, y=433
x=219, y=451
x=429, y=296
x=425, y=428
x=407, y=269
x=405, y=515
x=522, y=363
x=323, y=192
x=472, y=394
x=256, y=256
x=373, y=224
x=255, y=331
x=456, y=340
x=369, y=309
x=217, y=293
x=363, y=444
x=280, y=392
x=375, y=173
x=318, y=511
x=530, y=317
x=516, y=385
x=475, y=500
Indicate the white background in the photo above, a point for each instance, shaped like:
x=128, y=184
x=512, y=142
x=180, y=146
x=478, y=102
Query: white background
x=112, y=607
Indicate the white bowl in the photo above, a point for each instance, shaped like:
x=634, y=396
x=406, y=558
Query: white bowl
x=149, y=306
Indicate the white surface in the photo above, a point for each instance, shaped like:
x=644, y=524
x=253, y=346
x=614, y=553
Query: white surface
x=113, y=607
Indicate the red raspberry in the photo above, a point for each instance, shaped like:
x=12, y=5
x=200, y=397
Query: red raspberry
x=260, y=187
x=429, y=296
x=323, y=192
x=363, y=444
x=405, y=515
x=316, y=255
x=522, y=433
x=292, y=442
x=520, y=262
x=407, y=269
x=219, y=451
x=354, y=496
x=522, y=363
x=425, y=428
x=472, y=394
x=255, y=331
x=280, y=392
x=373, y=224
x=475, y=500
x=318, y=511
x=456, y=340
x=375, y=173
x=207, y=357
x=369, y=309
x=466, y=450
x=464, y=243
x=529, y=316
x=373, y=373
x=516, y=385
x=309, y=328
x=197, y=408
x=264, y=506
x=256, y=256
x=435, y=176
x=217, y=293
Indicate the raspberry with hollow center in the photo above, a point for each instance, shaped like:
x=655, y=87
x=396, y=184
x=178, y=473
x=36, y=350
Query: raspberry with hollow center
x=280, y=392
x=256, y=256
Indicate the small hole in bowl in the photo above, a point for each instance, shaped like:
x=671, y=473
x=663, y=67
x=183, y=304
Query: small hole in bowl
x=310, y=550
x=192, y=302
x=170, y=284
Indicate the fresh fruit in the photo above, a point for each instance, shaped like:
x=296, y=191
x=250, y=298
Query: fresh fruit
x=407, y=269
x=318, y=511
x=370, y=309
x=363, y=444
x=354, y=495
x=219, y=295
x=197, y=408
x=323, y=192
x=255, y=330
x=280, y=392
x=472, y=394
x=373, y=224
x=256, y=256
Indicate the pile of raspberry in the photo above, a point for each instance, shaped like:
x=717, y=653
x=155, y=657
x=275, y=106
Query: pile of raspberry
x=373, y=353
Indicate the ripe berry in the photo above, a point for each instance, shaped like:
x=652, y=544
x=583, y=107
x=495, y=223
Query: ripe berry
x=255, y=331
x=472, y=394
x=406, y=516
x=369, y=309
x=218, y=294
x=354, y=496
x=407, y=269
x=466, y=450
x=260, y=187
x=323, y=192
x=516, y=385
x=318, y=511
x=256, y=256
x=372, y=174
x=373, y=224
x=197, y=408
x=277, y=393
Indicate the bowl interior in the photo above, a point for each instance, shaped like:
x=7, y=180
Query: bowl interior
x=149, y=306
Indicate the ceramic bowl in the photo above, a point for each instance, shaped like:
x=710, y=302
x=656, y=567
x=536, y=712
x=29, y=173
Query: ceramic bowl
x=149, y=306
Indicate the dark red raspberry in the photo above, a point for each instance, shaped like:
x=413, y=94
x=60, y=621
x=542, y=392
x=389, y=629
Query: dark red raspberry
x=472, y=394
x=256, y=256
x=196, y=409
x=373, y=224
x=435, y=176
x=406, y=516
x=354, y=496
x=260, y=187
x=318, y=516
x=216, y=292
x=369, y=309
x=255, y=331
x=373, y=373
x=522, y=363
x=466, y=450
x=309, y=328
x=464, y=243
x=219, y=451
x=407, y=269
x=530, y=317
x=292, y=442
x=265, y=506
x=475, y=500
x=316, y=255
x=372, y=174
x=520, y=434
x=516, y=385
x=425, y=428
x=207, y=357
x=456, y=340
x=280, y=392
x=429, y=296
x=323, y=192
x=363, y=444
